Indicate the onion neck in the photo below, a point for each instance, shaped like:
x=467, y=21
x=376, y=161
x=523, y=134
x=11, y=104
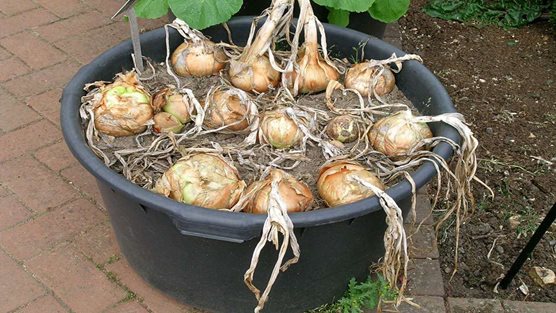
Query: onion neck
x=266, y=32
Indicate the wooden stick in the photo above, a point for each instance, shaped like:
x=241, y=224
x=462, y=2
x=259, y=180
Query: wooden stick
x=134, y=28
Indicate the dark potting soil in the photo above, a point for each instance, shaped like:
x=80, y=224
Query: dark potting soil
x=504, y=82
x=307, y=170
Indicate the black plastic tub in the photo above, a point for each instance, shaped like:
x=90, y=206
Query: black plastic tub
x=199, y=255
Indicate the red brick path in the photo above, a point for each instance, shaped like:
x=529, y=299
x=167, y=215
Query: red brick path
x=57, y=249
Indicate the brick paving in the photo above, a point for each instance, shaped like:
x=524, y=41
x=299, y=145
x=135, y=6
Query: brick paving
x=57, y=249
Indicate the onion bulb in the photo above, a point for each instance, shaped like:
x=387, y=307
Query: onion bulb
x=123, y=107
x=199, y=57
x=205, y=180
x=166, y=123
x=171, y=101
x=314, y=73
x=337, y=183
x=256, y=75
x=398, y=134
x=343, y=128
x=279, y=130
x=294, y=195
x=225, y=108
x=363, y=76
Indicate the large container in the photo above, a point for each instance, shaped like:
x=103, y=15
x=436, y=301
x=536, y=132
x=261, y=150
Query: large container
x=198, y=255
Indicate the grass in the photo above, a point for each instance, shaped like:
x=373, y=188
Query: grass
x=504, y=13
x=360, y=296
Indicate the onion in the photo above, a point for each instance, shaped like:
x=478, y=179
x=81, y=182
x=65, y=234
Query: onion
x=314, y=73
x=343, y=128
x=295, y=195
x=279, y=130
x=200, y=57
x=124, y=107
x=205, y=180
x=398, y=134
x=256, y=74
x=363, y=77
x=171, y=101
x=337, y=183
x=226, y=108
x=165, y=123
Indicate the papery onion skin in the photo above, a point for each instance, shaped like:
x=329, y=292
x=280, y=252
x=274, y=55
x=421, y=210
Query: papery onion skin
x=360, y=76
x=398, y=134
x=279, y=130
x=336, y=184
x=166, y=123
x=171, y=101
x=226, y=109
x=205, y=180
x=123, y=108
x=316, y=73
x=198, y=59
x=295, y=195
x=257, y=76
x=343, y=128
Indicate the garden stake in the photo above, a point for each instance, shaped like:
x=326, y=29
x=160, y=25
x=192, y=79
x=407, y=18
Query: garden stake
x=134, y=29
x=522, y=257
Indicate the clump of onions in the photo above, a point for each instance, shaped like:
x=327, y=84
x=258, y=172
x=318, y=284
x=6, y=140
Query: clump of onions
x=225, y=108
x=171, y=101
x=295, y=195
x=398, y=134
x=252, y=71
x=253, y=74
x=166, y=123
x=279, y=130
x=197, y=55
x=369, y=79
x=205, y=180
x=313, y=70
x=123, y=108
x=338, y=183
x=313, y=74
x=343, y=128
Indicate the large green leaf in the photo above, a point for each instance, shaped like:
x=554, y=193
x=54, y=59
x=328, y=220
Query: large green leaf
x=388, y=11
x=338, y=17
x=201, y=14
x=151, y=8
x=346, y=5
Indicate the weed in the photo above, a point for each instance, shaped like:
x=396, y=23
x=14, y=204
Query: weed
x=113, y=259
x=528, y=221
x=504, y=13
x=360, y=296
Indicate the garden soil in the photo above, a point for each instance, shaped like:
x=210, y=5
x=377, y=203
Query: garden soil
x=504, y=82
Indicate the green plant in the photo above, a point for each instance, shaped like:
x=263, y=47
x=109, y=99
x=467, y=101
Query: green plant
x=386, y=11
x=202, y=14
x=360, y=296
x=505, y=13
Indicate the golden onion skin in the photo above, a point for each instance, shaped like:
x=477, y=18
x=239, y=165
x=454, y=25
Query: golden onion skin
x=198, y=59
x=295, y=195
x=166, y=123
x=337, y=187
x=397, y=134
x=343, y=128
x=279, y=130
x=316, y=73
x=205, y=180
x=123, y=108
x=224, y=108
x=360, y=76
x=171, y=101
x=259, y=76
